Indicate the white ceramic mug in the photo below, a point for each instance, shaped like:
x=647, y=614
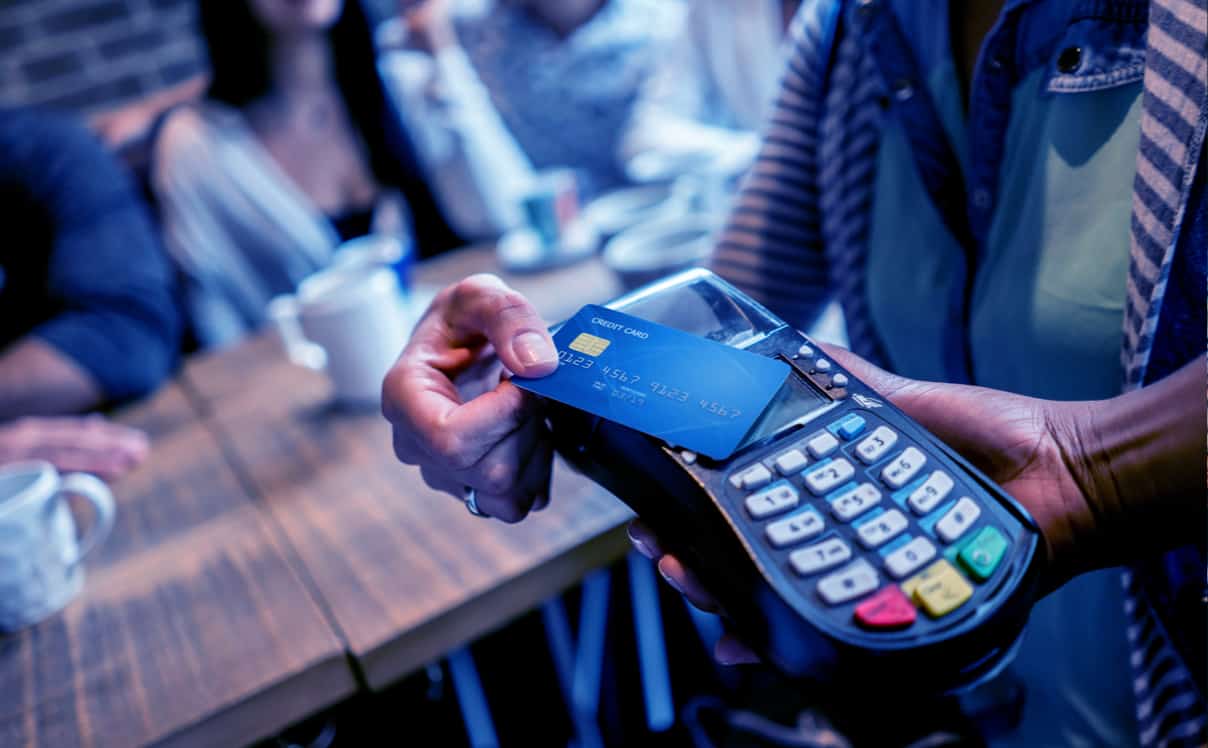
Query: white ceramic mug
x=347, y=320
x=40, y=555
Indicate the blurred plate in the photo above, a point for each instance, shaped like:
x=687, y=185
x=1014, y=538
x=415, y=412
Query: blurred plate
x=620, y=209
x=649, y=251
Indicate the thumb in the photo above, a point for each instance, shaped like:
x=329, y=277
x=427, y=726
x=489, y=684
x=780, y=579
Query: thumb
x=929, y=403
x=483, y=306
x=890, y=385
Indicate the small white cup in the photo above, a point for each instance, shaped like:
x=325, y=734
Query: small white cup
x=40, y=556
x=347, y=320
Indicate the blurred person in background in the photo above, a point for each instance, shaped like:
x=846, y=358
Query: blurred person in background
x=87, y=316
x=708, y=98
x=496, y=94
x=294, y=149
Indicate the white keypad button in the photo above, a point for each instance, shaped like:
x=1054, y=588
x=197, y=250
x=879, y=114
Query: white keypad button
x=929, y=495
x=790, y=530
x=880, y=529
x=857, y=580
x=756, y=476
x=909, y=557
x=805, y=350
x=839, y=380
x=822, y=445
x=903, y=467
x=825, y=477
x=774, y=499
x=790, y=462
x=851, y=504
x=822, y=365
x=875, y=445
x=819, y=556
x=958, y=519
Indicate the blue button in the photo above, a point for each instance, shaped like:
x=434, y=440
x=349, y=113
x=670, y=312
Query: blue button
x=848, y=428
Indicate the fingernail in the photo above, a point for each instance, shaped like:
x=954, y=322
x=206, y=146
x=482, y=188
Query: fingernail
x=639, y=544
x=533, y=348
x=670, y=580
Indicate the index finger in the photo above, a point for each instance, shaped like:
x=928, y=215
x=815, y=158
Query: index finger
x=483, y=307
x=419, y=393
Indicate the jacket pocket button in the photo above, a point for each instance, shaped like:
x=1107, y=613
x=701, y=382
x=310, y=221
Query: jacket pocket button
x=1069, y=59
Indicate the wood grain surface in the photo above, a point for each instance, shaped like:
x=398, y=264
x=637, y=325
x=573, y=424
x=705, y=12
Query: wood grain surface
x=407, y=573
x=193, y=627
x=269, y=538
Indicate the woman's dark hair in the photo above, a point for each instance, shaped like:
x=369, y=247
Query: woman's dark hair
x=240, y=72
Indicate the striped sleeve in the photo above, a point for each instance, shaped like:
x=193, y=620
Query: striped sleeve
x=772, y=244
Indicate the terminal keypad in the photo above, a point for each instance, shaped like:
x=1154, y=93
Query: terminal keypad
x=865, y=519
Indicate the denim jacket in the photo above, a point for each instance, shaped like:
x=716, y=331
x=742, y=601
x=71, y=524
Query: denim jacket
x=799, y=232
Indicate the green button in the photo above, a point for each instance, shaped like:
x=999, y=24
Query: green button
x=982, y=554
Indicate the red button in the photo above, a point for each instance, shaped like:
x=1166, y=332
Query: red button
x=888, y=609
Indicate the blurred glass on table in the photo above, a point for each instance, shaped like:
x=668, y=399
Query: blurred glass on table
x=556, y=232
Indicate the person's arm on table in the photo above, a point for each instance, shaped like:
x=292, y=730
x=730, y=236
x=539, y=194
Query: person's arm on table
x=36, y=378
x=116, y=333
x=479, y=172
x=1107, y=481
x=87, y=444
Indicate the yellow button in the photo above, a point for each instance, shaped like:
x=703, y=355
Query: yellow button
x=931, y=572
x=939, y=589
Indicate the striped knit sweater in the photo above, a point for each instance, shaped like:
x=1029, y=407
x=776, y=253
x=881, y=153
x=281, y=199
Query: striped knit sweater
x=799, y=236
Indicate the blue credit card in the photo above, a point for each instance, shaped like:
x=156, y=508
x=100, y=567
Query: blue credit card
x=688, y=391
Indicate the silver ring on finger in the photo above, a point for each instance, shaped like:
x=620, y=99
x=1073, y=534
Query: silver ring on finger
x=471, y=499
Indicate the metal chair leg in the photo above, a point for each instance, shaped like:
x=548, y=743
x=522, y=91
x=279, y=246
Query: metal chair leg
x=652, y=649
x=475, y=712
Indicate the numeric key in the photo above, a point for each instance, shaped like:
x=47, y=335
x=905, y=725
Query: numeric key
x=776, y=498
x=929, y=495
x=876, y=444
x=819, y=556
x=828, y=475
x=903, y=467
x=958, y=520
x=790, y=530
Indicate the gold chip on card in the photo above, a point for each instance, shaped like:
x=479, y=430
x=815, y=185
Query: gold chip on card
x=589, y=344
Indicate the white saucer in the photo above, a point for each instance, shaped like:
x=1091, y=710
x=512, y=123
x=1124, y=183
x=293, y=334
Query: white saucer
x=618, y=210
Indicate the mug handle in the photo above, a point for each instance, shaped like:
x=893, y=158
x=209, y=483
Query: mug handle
x=93, y=489
x=283, y=311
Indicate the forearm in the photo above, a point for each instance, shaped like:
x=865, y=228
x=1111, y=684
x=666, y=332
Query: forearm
x=477, y=168
x=35, y=379
x=1141, y=465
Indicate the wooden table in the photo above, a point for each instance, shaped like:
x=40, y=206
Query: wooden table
x=272, y=552
x=406, y=573
x=194, y=627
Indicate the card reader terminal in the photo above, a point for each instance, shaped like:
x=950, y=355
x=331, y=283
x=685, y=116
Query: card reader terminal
x=844, y=542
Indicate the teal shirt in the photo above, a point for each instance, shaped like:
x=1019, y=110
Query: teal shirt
x=1049, y=287
x=1045, y=320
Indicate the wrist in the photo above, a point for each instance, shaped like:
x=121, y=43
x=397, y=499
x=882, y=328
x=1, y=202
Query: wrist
x=1137, y=461
x=1074, y=529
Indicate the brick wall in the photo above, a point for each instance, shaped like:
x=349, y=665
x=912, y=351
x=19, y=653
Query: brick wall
x=87, y=55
